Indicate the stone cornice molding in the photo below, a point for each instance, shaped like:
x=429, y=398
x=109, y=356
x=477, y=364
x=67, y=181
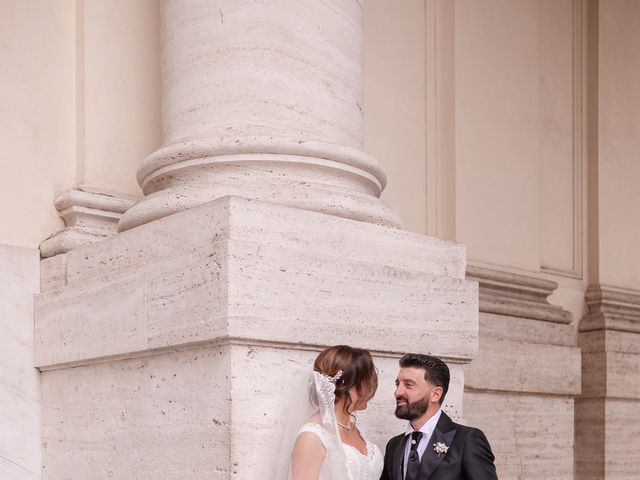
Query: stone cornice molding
x=611, y=308
x=516, y=295
x=89, y=217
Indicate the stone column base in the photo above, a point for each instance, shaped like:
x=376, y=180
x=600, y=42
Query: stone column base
x=165, y=350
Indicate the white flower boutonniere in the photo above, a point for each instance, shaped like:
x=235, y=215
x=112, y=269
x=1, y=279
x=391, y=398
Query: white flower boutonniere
x=440, y=448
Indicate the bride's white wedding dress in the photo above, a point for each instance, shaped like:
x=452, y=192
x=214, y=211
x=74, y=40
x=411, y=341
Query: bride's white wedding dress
x=342, y=462
x=343, y=459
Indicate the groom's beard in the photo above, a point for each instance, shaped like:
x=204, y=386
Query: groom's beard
x=413, y=410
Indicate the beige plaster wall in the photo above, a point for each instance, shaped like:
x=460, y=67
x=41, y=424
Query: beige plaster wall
x=37, y=116
x=79, y=105
x=499, y=164
x=118, y=91
x=394, y=103
x=496, y=131
x=518, y=163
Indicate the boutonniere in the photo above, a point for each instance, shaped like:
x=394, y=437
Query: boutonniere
x=440, y=448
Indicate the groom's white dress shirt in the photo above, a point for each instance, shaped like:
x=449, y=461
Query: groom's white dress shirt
x=427, y=430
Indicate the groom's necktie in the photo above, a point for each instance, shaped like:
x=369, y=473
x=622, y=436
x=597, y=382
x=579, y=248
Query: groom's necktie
x=413, y=463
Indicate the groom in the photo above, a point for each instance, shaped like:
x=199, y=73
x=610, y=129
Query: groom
x=433, y=447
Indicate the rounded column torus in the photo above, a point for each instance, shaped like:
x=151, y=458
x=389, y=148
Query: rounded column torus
x=262, y=99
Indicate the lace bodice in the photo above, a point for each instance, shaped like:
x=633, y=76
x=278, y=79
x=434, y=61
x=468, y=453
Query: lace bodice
x=358, y=466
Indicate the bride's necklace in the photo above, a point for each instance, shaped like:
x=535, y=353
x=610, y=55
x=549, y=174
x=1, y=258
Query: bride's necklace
x=346, y=427
x=350, y=425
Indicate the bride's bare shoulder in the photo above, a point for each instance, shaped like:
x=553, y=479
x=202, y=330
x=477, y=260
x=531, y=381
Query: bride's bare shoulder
x=309, y=443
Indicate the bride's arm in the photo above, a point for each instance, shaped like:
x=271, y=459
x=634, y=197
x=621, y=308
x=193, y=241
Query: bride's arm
x=307, y=456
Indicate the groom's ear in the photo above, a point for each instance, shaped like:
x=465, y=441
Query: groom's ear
x=436, y=394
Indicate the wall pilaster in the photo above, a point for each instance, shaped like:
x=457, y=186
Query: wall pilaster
x=610, y=342
x=607, y=441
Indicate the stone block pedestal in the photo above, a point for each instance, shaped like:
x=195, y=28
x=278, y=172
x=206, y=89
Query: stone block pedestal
x=165, y=350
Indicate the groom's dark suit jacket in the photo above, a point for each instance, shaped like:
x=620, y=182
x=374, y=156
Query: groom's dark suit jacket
x=469, y=456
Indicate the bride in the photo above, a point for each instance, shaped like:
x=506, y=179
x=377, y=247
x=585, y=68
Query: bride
x=329, y=446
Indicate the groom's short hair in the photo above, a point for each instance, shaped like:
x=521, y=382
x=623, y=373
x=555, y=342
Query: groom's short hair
x=435, y=370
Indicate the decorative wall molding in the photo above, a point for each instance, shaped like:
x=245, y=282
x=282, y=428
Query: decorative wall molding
x=611, y=308
x=89, y=217
x=440, y=117
x=516, y=295
x=578, y=187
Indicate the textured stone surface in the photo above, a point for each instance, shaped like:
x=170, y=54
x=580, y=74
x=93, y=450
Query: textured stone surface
x=240, y=269
x=611, y=374
x=531, y=436
x=19, y=380
x=289, y=228
x=611, y=340
x=590, y=449
x=608, y=439
x=526, y=330
x=622, y=440
x=524, y=367
x=165, y=416
x=53, y=272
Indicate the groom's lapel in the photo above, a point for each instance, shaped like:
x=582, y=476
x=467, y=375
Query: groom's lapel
x=444, y=432
x=398, y=456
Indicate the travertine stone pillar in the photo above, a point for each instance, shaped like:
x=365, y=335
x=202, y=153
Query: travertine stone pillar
x=262, y=100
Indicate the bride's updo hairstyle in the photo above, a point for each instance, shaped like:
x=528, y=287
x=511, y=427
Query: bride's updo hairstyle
x=357, y=371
